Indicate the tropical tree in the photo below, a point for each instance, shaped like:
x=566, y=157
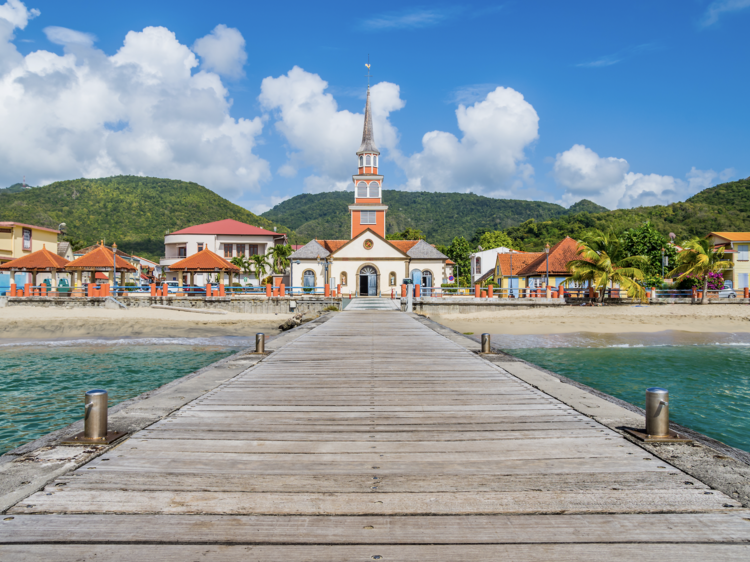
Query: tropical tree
x=646, y=240
x=243, y=263
x=279, y=255
x=459, y=251
x=408, y=234
x=495, y=239
x=260, y=265
x=699, y=257
x=603, y=261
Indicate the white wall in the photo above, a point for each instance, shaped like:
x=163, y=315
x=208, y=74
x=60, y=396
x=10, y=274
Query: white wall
x=487, y=261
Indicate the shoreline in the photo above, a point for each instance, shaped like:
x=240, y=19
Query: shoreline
x=733, y=318
x=49, y=324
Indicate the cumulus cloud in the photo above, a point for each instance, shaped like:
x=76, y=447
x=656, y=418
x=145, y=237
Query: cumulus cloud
x=320, y=135
x=65, y=36
x=222, y=51
x=489, y=158
x=144, y=110
x=608, y=181
x=16, y=13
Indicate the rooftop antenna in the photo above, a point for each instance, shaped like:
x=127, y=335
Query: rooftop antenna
x=368, y=75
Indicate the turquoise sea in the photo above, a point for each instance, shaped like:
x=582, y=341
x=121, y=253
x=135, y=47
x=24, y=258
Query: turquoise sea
x=707, y=375
x=42, y=385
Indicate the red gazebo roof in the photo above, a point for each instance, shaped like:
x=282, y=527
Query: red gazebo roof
x=99, y=258
x=205, y=260
x=41, y=260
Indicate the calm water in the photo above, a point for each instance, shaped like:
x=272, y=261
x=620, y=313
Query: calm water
x=42, y=386
x=708, y=376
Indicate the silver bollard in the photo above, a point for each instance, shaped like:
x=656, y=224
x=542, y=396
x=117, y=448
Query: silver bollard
x=260, y=343
x=657, y=411
x=95, y=414
x=486, y=347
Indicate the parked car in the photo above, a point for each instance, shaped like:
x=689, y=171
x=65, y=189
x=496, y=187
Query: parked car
x=728, y=291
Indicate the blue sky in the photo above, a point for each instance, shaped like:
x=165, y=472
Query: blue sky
x=624, y=103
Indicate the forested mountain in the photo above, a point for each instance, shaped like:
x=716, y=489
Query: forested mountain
x=722, y=208
x=440, y=216
x=133, y=211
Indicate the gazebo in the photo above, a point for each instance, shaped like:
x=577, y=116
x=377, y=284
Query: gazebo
x=101, y=259
x=204, y=261
x=41, y=261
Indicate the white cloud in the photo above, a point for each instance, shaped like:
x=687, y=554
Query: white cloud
x=222, y=51
x=15, y=12
x=410, y=19
x=489, y=158
x=619, y=56
x=65, y=36
x=718, y=8
x=608, y=181
x=142, y=111
x=319, y=134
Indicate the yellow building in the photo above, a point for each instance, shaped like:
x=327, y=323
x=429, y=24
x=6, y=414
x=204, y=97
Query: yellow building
x=18, y=240
x=736, y=246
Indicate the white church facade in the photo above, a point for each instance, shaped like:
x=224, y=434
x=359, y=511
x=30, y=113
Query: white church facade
x=367, y=264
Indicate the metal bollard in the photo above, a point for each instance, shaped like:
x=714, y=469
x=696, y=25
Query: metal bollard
x=95, y=414
x=486, y=348
x=657, y=411
x=260, y=343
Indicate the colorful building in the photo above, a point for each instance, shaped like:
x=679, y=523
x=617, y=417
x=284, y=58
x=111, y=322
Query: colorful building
x=18, y=239
x=227, y=238
x=736, y=248
x=367, y=264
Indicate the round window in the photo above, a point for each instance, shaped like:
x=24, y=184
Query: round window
x=368, y=244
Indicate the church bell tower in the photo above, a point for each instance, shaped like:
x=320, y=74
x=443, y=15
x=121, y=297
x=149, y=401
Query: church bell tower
x=368, y=210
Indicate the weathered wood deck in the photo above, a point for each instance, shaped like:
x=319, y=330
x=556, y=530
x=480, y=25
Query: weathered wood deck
x=373, y=437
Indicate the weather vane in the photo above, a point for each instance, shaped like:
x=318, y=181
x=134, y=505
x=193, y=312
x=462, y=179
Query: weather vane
x=368, y=75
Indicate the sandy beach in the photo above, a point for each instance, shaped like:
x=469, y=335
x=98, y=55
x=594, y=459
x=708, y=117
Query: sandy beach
x=54, y=323
x=605, y=319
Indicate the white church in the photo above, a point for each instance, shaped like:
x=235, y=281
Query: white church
x=367, y=264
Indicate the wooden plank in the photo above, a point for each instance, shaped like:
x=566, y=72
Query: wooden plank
x=532, y=529
x=375, y=503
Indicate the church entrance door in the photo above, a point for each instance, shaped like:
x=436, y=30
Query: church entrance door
x=368, y=282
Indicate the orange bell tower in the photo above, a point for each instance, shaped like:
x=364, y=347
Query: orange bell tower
x=368, y=210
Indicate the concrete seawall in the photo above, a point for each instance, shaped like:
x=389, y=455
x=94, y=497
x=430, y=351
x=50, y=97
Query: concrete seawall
x=242, y=304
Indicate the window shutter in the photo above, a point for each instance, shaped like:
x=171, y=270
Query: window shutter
x=362, y=190
x=743, y=253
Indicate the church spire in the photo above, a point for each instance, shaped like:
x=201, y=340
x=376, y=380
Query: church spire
x=368, y=143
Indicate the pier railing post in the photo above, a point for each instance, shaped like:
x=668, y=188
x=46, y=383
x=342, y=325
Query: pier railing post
x=260, y=343
x=95, y=414
x=486, y=344
x=657, y=411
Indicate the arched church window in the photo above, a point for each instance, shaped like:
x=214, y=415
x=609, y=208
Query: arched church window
x=367, y=163
x=361, y=189
x=392, y=279
x=361, y=161
x=308, y=281
x=374, y=192
x=343, y=278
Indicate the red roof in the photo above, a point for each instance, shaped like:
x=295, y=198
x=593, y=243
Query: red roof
x=227, y=227
x=41, y=259
x=10, y=223
x=450, y=262
x=205, y=260
x=99, y=258
x=520, y=261
x=404, y=245
x=559, y=255
x=333, y=245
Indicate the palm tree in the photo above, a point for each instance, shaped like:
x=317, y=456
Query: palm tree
x=260, y=265
x=279, y=255
x=603, y=261
x=700, y=258
x=243, y=263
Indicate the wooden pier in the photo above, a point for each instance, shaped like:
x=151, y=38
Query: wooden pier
x=372, y=437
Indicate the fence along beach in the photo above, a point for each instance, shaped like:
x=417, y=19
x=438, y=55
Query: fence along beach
x=378, y=436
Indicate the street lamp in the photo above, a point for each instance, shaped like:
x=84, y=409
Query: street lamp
x=546, y=251
x=662, y=263
x=510, y=291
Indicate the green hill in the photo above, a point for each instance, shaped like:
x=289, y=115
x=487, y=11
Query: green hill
x=15, y=188
x=722, y=208
x=440, y=216
x=133, y=211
